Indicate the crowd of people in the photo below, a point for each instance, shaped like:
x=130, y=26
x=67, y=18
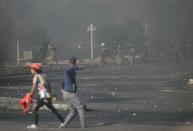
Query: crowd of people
x=120, y=55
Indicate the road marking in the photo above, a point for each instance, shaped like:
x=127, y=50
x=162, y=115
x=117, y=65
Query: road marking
x=166, y=90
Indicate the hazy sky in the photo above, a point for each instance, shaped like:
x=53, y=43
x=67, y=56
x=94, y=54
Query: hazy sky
x=66, y=20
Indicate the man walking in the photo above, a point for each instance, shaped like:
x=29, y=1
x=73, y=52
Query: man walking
x=69, y=90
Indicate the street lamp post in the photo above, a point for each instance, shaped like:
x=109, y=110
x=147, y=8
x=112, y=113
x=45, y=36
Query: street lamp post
x=91, y=28
x=18, y=49
x=18, y=58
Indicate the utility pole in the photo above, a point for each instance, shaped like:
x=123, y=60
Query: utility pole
x=91, y=28
x=18, y=49
x=146, y=29
x=18, y=58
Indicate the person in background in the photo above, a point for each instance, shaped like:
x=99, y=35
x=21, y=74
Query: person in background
x=103, y=55
x=69, y=90
x=119, y=56
x=131, y=55
x=41, y=83
x=145, y=54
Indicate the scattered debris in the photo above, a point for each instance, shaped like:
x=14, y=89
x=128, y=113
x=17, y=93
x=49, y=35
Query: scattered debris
x=155, y=106
x=179, y=110
x=126, y=118
x=134, y=114
x=178, y=122
x=167, y=90
x=113, y=93
x=92, y=97
x=126, y=108
x=190, y=83
x=187, y=122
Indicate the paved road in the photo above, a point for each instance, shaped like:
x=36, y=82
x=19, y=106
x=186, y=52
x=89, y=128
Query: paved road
x=143, y=98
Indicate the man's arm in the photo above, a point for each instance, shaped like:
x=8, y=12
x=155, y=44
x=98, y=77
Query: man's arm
x=34, y=83
x=33, y=90
x=79, y=68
